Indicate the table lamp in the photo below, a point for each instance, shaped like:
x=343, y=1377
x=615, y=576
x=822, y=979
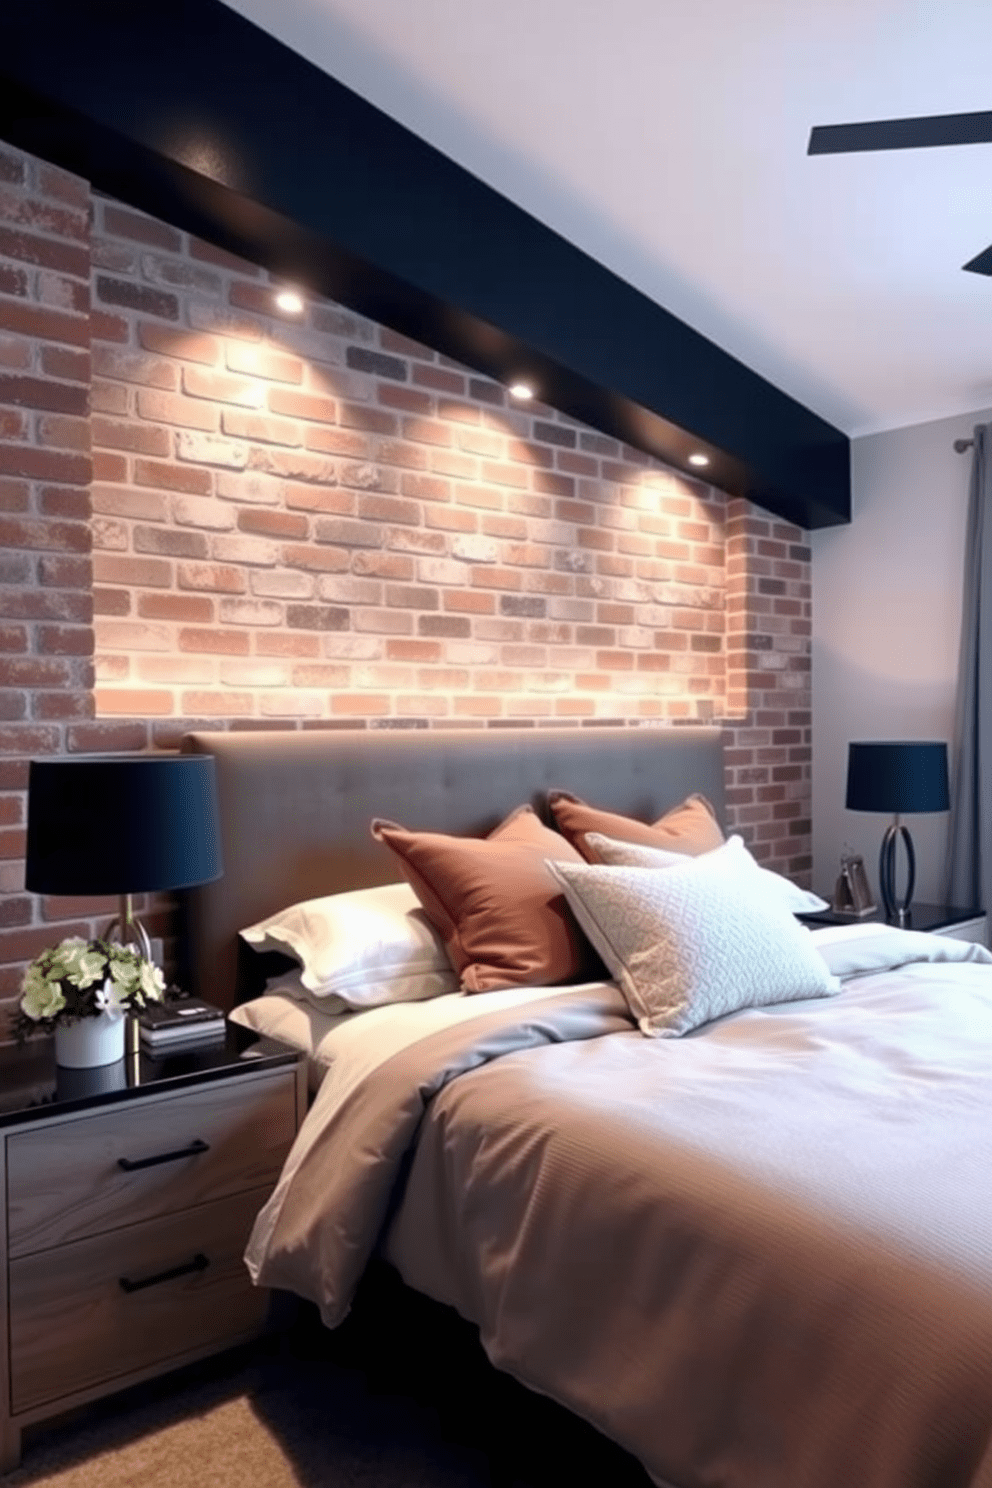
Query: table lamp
x=122, y=824
x=899, y=778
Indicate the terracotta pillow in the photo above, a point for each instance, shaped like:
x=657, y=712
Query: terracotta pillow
x=691, y=828
x=503, y=918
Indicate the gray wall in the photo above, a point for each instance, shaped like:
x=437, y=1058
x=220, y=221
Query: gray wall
x=886, y=630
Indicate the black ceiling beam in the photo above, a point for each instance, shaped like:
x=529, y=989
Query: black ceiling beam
x=197, y=116
x=927, y=132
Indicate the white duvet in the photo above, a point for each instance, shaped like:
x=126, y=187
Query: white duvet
x=759, y=1256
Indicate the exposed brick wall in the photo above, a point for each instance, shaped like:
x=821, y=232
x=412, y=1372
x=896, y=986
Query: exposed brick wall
x=314, y=522
x=314, y=518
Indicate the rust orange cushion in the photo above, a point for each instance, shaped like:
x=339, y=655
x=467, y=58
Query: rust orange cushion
x=503, y=918
x=690, y=828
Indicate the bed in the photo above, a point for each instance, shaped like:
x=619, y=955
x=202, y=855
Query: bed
x=758, y=1255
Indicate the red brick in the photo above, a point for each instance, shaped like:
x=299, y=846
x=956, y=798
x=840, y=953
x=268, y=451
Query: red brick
x=218, y=577
x=138, y=573
x=134, y=702
x=214, y=641
x=186, y=478
x=183, y=607
x=28, y=739
x=120, y=222
x=44, y=324
x=303, y=406
x=46, y=465
x=318, y=560
x=45, y=253
x=62, y=640
x=107, y=327
x=13, y=168
x=24, y=945
x=40, y=536
x=99, y=738
x=61, y=707
x=272, y=523
x=188, y=346
x=111, y=602
x=139, y=439
x=167, y=542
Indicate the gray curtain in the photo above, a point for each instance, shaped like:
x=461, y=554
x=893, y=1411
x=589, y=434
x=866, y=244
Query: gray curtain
x=969, y=853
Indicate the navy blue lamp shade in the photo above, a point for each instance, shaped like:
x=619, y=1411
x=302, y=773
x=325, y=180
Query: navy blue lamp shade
x=122, y=824
x=900, y=778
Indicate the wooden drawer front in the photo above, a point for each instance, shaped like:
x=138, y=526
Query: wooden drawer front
x=73, y=1326
x=64, y=1181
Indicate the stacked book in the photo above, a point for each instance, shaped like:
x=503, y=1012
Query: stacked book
x=179, y=1023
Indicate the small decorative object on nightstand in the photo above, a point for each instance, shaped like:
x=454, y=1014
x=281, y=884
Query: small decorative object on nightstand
x=897, y=778
x=82, y=990
x=122, y=824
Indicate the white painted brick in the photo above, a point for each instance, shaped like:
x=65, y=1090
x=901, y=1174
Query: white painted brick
x=440, y=571
x=251, y=612
x=254, y=673
x=285, y=704
x=349, y=589
x=255, y=550
x=202, y=511
x=472, y=548
x=211, y=449
x=470, y=653
x=259, y=490
x=284, y=583
x=131, y=635
x=352, y=647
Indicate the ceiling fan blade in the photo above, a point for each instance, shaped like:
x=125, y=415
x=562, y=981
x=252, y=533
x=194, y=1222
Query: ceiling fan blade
x=981, y=263
x=901, y=134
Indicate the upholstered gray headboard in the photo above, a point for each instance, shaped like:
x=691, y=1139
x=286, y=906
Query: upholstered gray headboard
x=295, y=807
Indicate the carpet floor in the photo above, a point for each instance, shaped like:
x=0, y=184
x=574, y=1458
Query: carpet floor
x=401, y=1396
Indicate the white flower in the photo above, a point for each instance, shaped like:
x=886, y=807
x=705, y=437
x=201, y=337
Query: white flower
x=109, y=1001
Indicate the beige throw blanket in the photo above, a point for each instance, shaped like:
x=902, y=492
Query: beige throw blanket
x=759, y=1256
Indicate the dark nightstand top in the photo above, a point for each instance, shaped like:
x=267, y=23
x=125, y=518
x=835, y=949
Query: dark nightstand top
x=927, y=917
x=32, y=1085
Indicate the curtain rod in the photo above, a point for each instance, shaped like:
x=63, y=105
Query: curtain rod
x=960, y=445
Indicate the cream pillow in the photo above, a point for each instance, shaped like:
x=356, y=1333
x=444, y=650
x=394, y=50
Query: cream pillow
x=692, y=943
x=360, y=949
x=732, y=858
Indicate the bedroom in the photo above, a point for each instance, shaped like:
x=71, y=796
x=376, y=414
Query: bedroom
x=913, y=468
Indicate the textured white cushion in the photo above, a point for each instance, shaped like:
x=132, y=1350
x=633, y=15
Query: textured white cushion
x=692, y=943
x=732, y=858
x=360, y=949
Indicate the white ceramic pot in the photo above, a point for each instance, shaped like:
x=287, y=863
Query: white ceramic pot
x=90, y=1042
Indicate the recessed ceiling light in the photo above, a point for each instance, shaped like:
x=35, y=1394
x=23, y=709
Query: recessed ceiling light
x=699, y=459
x=521, y=390
x=290, y=301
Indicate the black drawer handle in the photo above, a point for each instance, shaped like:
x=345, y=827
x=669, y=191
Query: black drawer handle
x=130, y=1164
x=200, y=1262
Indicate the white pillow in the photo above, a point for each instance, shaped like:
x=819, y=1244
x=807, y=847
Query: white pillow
x=300, y=1024
x=692, y=943
x=732, y=857
x=363, y=948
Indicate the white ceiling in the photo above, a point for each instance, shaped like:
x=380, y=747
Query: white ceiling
x=668, y=139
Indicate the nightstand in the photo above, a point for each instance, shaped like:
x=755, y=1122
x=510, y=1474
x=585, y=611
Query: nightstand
x=935, y=919
x=130, y=1193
